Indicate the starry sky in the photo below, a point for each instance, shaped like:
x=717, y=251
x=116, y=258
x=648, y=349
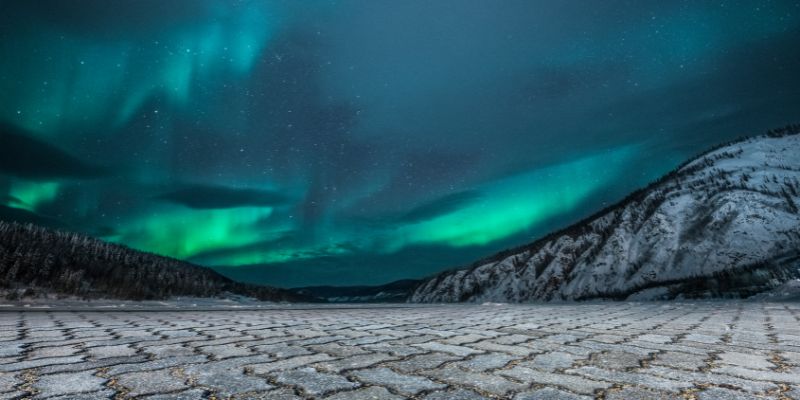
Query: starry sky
x=355, y=142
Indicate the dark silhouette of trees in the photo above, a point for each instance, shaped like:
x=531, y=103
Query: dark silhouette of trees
x=74, y=264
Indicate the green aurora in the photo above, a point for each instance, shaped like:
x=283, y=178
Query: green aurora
x=359, y=142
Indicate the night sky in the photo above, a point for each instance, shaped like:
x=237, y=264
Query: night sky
x=358, y=142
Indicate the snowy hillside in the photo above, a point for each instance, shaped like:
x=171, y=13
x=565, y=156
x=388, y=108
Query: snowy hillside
x=724, y=224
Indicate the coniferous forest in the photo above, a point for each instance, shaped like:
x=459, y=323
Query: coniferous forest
x=36, y=260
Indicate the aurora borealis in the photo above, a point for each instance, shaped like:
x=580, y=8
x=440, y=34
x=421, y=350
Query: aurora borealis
x=363, y=141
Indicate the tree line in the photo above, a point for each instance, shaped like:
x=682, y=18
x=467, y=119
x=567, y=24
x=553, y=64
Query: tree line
x=35, y=258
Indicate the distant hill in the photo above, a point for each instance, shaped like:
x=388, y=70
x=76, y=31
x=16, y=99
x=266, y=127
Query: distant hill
x=394, y=292
x=724, y=224
x=39, y=259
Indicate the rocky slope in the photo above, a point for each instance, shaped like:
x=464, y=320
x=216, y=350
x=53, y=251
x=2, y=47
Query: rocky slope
x=724, y=224
x=35, y=260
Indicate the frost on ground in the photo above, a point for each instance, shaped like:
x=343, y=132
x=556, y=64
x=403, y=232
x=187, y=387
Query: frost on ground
x=231, y=302
x=789, y=291
x=56, y=301
x=611, y=350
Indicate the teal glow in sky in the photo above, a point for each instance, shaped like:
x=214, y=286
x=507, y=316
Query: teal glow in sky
x=359, y=142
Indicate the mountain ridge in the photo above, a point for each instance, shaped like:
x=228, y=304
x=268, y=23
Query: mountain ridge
x=480, y=280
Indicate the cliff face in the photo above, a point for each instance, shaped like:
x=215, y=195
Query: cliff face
x=724, y=224
x=74, y=264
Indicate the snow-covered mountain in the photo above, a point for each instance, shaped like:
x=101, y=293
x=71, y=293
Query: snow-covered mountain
x=724, y=224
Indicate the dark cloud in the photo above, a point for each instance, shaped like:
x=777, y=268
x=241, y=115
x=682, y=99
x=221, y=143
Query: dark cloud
x=696, y=113
x=11, y=200
x=24, y=216
x=283, y=239
x=304, y=131
x=416, y=176
x=440, y=206
x=548, y=83
x=26, y=157
x=209, y=196
x=112, y=18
